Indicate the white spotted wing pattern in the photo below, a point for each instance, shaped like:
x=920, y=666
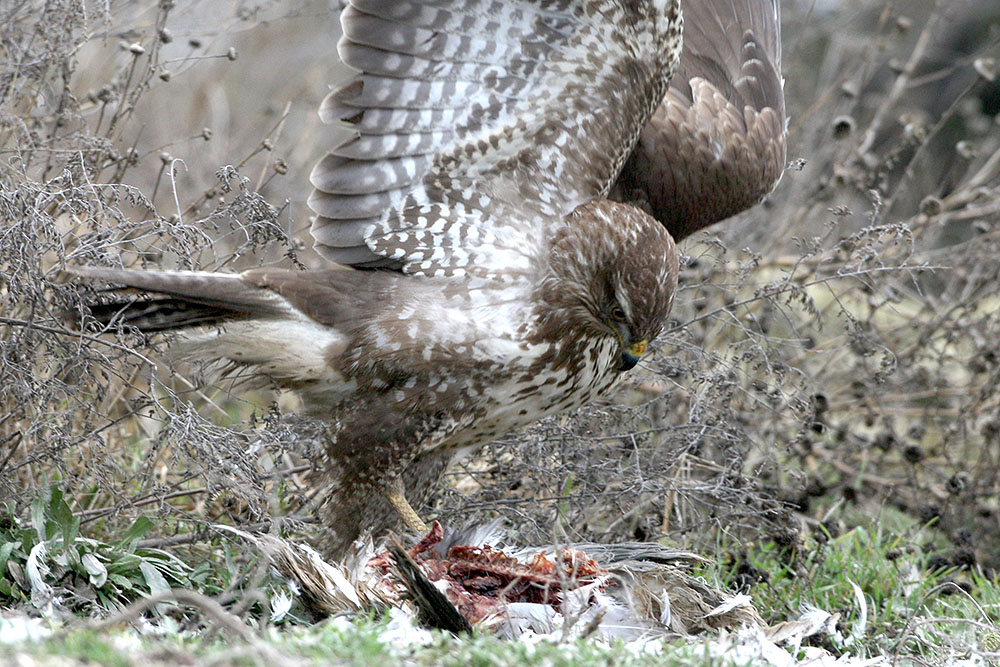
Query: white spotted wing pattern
x=478, y=125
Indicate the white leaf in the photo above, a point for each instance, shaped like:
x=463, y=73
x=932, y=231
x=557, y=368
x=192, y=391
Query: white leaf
x=98, y=574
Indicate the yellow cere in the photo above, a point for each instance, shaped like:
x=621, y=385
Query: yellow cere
x=639, y=348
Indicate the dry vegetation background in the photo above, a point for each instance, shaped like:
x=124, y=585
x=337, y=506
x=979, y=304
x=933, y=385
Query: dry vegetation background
x=834, y=354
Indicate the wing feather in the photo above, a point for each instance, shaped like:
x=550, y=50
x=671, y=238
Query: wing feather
x=339, y=175
x=716, y=145
x=477, y=123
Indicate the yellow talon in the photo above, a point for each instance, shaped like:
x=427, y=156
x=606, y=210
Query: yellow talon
x=402, y=507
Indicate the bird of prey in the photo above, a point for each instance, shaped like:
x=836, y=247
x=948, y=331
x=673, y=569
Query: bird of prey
x=487, y=278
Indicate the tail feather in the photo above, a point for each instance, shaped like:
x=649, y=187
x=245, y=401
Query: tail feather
x=175, y=300
x=286, y=338
x=160, y=314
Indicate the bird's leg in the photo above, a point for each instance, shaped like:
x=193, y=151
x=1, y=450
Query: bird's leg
x=402, y=507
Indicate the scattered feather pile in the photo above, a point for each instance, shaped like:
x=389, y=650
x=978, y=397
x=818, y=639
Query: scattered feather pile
x=465, y=579
x=638, y=593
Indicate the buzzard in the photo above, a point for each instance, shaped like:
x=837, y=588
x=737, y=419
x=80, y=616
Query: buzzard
x=487, y=275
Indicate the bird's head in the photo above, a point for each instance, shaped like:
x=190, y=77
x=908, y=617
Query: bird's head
x=612, y=273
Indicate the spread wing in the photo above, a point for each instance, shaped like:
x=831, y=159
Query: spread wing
x=478, y=123
x=716, y=146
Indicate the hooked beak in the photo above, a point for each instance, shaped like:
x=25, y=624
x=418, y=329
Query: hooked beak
x=632, y=354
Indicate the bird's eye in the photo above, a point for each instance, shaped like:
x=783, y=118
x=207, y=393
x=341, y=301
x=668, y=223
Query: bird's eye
x=618, y=314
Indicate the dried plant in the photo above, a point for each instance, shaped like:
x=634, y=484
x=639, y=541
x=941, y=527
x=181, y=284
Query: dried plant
x=838, y=342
